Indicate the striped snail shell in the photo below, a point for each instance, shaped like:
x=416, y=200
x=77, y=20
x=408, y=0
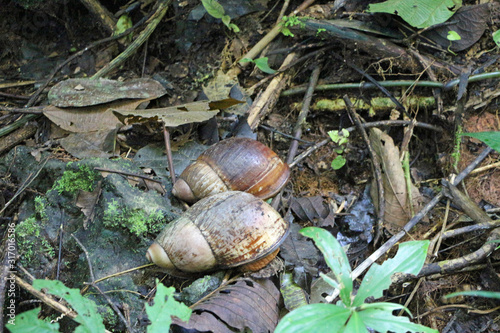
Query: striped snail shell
x=236, y=164
x=228, y=229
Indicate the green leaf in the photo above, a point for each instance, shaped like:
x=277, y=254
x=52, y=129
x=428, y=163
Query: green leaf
x=382, y=321
x=226, y=19
x=418, y=13
x=388, y=307
x=453, y=35
x=90, y=320
x=123, y=23
x=317, y=318
x=338, y=162
x=164, y=307
x=476, y=293
x=492, y=139
x=335, y=258
x=409, y=259
x=233, y=27
x=262, y=64
x=245, y=60
x=213, y=8
x=28, y=322
x=496, y=37
x=355, y=324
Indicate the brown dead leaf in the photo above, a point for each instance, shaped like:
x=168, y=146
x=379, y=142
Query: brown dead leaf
x=397, y=209
x=313, y=209
x=245, y=304
x=87, y=201
x=87, y=92
x=92, y=144
x=91, y=118
x=469, y=22
x=173, y=116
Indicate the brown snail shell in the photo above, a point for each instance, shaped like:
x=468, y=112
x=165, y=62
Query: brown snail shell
x=236, y=164
x=228, y=229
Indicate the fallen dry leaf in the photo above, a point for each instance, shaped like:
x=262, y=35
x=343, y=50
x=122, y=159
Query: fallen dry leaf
x=397, y=209
x=87, y=92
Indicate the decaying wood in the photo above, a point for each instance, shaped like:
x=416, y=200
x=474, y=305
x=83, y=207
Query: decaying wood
x=266, y=100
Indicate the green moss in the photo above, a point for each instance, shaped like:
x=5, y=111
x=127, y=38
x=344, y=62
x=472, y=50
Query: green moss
x=136, y=221
x=73, y=181
x=31, y=244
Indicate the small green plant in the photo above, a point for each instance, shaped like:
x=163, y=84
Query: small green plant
x=319, y=31
x=341, y=139
x=216, y=10
x=290, y=21
x=89, y=319
x=352, y=314
x=496, y=37
x=164, y=307
x=261, y=64
x=452, y=36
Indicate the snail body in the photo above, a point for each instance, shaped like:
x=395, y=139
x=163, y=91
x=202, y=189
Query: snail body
x=225, y=230
x=236, y=164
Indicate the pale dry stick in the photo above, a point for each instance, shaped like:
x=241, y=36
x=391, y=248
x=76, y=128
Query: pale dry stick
x=107, y=19
x=143, y=36
x=283, y=11
x=301, y=119
x=413, y=221
x=46, y=299
x=410, y=298
x=268, y=97
x=435, y=250
x=486, y=168
x=170, y=161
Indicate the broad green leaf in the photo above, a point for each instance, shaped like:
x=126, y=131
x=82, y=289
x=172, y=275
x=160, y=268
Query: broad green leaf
x=383, y=321
x=90, y=320
x=330, y=281
x=164, y=307
x=335, y=258
x=226, y=19
x=28, y=322
x=453, y=35
x=314, y=318
x=492, y=139
x=409, y=259
x=338, y=162
x=262, y=64
x=496, y=37
x=476, y=293
x=418, y=13
x=388, y=307
x=213, y=8
x=355, y=325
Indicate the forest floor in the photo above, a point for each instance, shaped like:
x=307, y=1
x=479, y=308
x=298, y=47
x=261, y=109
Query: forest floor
x=87, y=187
